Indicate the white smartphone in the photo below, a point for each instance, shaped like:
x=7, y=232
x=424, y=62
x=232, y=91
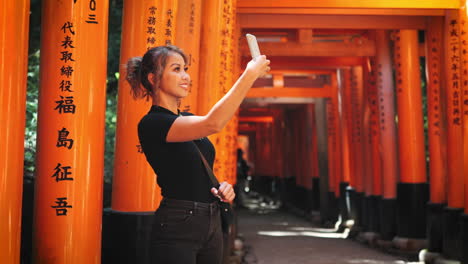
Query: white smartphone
x=253, y=45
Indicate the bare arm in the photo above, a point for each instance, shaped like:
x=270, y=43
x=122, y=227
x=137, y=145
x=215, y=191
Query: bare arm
x=186, y=128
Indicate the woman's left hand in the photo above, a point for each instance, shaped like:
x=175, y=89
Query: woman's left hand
x=225, y=192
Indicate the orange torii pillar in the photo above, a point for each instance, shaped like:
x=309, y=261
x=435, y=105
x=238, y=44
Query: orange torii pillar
x=70, y=149
x=345, y=189
x=366, y=157
x=464, y=68
x=348, y=146
x=356, y=94
x=308, y=153
x=412, y=190
x=14, y=27
x=455, y=180
x=436, y=133
x=216, y=69
x=374, y=157
x=315, y=199
x=145, y=24
x=387, y=131
x=334, y=169
x=340, y=189
x=326, y=214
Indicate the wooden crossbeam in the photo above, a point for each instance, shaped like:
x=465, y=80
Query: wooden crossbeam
x=342, y=11
x=334, y=49
x=330, y=21
x=256, y=119
x=279, y=63
x=430, y=4
x=289, y=92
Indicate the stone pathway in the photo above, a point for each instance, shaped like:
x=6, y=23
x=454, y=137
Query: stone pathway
x=282, y=238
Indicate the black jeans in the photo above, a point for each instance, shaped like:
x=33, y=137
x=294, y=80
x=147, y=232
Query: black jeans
x=186, y=232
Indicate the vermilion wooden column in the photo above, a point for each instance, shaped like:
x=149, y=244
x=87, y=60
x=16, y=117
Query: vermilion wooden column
x=349, y=158
x=374, y=155
x=187, y=37
x=14, y=27
x=357, y=138
x=70, y=140
x=314, y=160
x=412, y=191
x=464, y=74
x=388, y=137
x=216, y=67
x=436, y=133
x=145, y=24
x=454, y=93
x=334, y=159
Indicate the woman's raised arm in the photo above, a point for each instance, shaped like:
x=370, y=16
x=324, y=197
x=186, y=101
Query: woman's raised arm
x=186, y=128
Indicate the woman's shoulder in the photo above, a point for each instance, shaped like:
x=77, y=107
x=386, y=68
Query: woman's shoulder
x=186, y=114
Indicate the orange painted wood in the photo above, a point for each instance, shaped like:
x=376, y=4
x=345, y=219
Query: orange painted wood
x=357, y=92
x=14, y=26
x=437, y=130
x=332, y=49
x=455, y=180
x=187, y=37
x=142, y=28
x=464, y=86
x=301, y=63
x=347, y=125
x=410, y=119
x=70, y=150
x=313, y=148
x=331, y=146
x=374, y=132
x=342, y=11
x=275, y=21
x=289, y=92
x=352, y=4
x=216, y=66
x=386, y=114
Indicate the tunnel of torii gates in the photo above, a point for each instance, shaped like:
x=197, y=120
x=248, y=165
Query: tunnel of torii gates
x=340, y=116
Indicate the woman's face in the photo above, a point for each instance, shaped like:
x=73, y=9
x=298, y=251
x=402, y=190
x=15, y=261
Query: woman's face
x=175, y=81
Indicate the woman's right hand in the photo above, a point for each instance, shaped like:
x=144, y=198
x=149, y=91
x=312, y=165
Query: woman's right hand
x=258, y=66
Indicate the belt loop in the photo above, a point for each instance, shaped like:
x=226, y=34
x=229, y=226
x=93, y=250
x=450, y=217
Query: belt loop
x=195, y=205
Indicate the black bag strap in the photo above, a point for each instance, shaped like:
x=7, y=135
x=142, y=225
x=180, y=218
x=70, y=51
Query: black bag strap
x=208, y=169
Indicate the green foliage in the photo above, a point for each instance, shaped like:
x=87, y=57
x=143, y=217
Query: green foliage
x=31, y=113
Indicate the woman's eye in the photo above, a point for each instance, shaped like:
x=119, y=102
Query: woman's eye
x=186, y=69
x=177, y=69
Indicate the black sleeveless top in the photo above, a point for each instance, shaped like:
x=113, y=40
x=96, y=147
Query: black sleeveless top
x=178, y=165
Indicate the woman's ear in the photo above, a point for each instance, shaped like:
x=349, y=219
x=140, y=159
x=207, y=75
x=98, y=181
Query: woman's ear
x=151, y=78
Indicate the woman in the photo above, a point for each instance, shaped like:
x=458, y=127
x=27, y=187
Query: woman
x=187, y=225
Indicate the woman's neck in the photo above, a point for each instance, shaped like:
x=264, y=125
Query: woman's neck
x=170, y=104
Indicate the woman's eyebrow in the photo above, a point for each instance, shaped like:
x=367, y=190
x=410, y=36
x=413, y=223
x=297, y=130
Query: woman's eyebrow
x=177, y=64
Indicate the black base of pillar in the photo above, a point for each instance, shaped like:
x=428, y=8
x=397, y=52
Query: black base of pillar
x=300, y=200
x=356, y=207
x=411, y=210
x=315, y=194
x=365, y=213
x=451, y=229
x=464, y=235
x=333, y=208
x=388, y=224
x=126, y=236
x=374, y=213
x=434, y=226
x=343, y=202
